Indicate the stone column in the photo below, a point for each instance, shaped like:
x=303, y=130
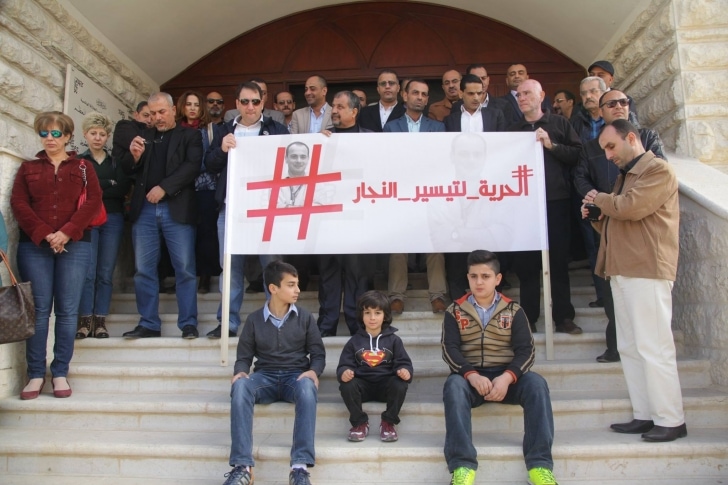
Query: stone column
x=673, y=61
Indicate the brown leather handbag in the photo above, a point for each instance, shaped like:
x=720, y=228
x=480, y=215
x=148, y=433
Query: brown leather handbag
x=17, y=309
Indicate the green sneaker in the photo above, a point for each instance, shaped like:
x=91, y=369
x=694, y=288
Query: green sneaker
x=541, y=476
x=463, y=476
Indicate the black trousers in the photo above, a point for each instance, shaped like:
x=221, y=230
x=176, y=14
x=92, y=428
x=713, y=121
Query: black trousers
x=356, y=391
x=527, y=265
x=356, y=271
x=207, y=249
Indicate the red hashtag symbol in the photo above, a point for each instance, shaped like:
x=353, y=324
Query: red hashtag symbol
x=278, y=182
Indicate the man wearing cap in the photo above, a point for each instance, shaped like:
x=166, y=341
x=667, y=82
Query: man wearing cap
x=605, y=71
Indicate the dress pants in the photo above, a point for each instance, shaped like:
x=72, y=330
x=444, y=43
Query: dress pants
x=528, y=267
x=643, y=310
x=357, y=272
x=435, y=276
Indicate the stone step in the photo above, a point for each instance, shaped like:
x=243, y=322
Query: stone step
x=170, y=377
x=579, y=457
x=205, y=412
x=589, y=319
x=417, y=300
x=422, y=344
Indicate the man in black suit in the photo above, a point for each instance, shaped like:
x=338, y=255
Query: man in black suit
x=470, y=116
x=488, y=101
x=376, y=116
x=166, y=160
x=466, y=117
x=515, y=75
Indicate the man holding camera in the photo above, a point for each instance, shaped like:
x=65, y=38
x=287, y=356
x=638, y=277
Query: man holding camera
x=595, y=172
x=638, y=253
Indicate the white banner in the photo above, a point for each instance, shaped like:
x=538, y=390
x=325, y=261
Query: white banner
x=386, y=193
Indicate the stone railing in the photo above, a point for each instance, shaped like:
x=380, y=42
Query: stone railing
x=700, y=297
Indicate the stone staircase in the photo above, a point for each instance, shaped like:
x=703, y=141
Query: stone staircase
x=156, y=411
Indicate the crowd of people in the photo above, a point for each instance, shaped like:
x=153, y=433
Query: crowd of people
x=168, y=172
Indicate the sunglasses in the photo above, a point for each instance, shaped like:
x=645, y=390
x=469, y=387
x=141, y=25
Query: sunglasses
x=245, y=102
x=219, y=102
x=54, y=133
x=623, y=102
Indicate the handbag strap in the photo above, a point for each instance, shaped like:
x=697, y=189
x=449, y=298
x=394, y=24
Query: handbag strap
x=82, y=166
x=13, y=281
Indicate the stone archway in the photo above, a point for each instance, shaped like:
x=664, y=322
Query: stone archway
x=351, y=43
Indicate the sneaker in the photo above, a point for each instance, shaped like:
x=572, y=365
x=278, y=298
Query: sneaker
x=463, y=476
x=299, y=476
x=358, y=433
x=238, y=476
x=387, y=432
x=541, y=476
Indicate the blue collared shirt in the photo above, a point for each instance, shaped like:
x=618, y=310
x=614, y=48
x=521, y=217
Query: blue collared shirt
x=485, y=314
x=278, y=322
x=316, y=122
x=412, y=125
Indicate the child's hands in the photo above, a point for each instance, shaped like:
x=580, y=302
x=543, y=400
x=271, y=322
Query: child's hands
x=347, y=375
x=403, y=374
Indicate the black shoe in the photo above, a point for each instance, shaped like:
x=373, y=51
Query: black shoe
x=635, y=426
x=204, y=287
x=598, y=303
x=609, y=356
x=568, y=326
x=255, y=287
x=325, y=334
x=217, y=333
x=664, y=433
x=189, y=331
x=142, y=332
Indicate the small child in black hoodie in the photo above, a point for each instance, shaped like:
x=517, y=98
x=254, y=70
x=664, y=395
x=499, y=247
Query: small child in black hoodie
x=374, y=366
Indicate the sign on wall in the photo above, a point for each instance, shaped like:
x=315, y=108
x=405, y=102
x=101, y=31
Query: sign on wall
x=386, y=193
x=84, y=95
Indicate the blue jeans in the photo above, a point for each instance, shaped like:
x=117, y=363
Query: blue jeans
x=105, y=242
x=57, y=280
x=531, y=392
x=155, y=223
x=265, y=387
x=237, y=278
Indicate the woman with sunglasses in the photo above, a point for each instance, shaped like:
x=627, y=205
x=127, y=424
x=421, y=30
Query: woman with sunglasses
x=192, y=112
x=106, y=238
x=54, y=246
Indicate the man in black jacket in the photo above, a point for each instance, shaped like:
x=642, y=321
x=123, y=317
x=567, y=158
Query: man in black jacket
x=356, y=268
x=374, y=117
x=595, y=173
x=561, y=147
x=166, y=160
x=250, y=122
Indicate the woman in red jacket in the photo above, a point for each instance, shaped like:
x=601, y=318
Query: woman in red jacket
x=54, y=246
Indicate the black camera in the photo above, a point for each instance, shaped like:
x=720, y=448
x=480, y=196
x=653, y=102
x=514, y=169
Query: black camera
x=593, y=212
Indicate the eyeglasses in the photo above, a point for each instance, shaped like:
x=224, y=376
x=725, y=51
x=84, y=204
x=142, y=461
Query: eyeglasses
x=246, y=102
x=54, y=133
x=623, y=102
x=560, y=100
x=215, y=101
x=591, y=91
x=387, y=83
